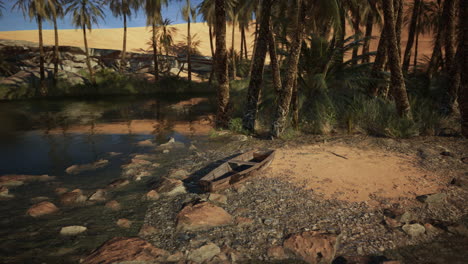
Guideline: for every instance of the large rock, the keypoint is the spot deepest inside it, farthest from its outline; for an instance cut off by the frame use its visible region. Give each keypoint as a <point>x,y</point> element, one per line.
<point>204,253</point>
<point>312,246</point>
<point>171,187</point>
<point>99,196</point>
<point>202,216</point>
<point>72,230</point>
<point>122,249</point>
<point>77,169</point>
<point>414,230</point>
<point>43,208</point>
<point>74,197</point>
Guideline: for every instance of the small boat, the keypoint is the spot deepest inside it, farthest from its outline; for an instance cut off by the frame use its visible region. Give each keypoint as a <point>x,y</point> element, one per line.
<point>236,170</point>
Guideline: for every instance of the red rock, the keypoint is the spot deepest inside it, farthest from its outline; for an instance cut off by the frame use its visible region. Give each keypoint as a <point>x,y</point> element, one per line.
<point>152,195</point>
<point>202,216</point>
<point>122,249</point>
<point>124,223</point>
<point>41,209</point>
<point>312,246</point>
<point>276,253</point>
<point>114,205</point>
<point>74,197</point>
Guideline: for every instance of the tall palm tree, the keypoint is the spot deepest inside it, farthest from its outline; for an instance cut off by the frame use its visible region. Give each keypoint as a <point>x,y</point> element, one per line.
<point>123,8</point>
<point>411,34</point>
<point>397,80</point>
<point>55,12</point>
<point>233,14</point>
<point>36,9</point>
<point>166,35</point>
<point>451,65</point>
<point>222,118</point>
<point>463,60</point>
<point>189,14</point>
<point>153,18</point>
<point>85,13</point>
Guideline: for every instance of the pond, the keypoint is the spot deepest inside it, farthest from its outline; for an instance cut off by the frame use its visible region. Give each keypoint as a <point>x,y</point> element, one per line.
<point>46,137</point>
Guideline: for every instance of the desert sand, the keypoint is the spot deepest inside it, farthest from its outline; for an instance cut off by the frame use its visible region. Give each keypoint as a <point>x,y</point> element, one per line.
<point>139,36</point>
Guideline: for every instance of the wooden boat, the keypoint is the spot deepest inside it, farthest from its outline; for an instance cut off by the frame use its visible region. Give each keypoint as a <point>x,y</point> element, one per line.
<point>236,170</point>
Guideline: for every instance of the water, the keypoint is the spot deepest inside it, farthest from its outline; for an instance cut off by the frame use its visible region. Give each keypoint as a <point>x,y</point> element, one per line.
<point>46,137</point>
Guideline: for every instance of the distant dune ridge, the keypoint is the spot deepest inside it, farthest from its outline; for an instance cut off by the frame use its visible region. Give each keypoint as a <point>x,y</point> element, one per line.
<point>139,36</point>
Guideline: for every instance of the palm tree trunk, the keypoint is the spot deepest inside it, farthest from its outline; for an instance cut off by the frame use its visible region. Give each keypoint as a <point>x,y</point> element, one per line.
<point>452,67</point>
<point>124,49</point>
<point>411,35</point>
<point>233,53</point>
<point>210,31</point>
<point>43,86</point>
<point>379,63</point>
<point>189,47</point>
<point>56,51</point>
<point>284,95</point>
<point>274,62</point>
<point>463,60</point>
<point>88,61</point>
<point>367,40</point>
<point>416,45</point>
<point>241,55</point>
<point>398,5</point>
<point>341,34</point>
<point>258,65</point>
<point>436,58</point>
<point>397,80</point>
<point>246,50</point>
<point>155,51</point>
<point>357,35</point>
<point>222,118</point>
<point>295,106</point>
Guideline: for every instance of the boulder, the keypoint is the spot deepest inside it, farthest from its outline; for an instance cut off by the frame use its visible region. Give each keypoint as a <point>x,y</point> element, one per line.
<point>72,230</point>
<point>204,253</point>
<point>218,198</point>
<point>171,187</point>
<point>432,199</point>
<point>42,208</point>
<point>74,197</point>
<point>202,216</point>
<point>99,196</point>
<point>121,249</point>
<point>124,223</point>
<point>77,169</point>
<point>312,246</point>
<point>118,183</point>
<point>113,205</point>
<point>414,230</point>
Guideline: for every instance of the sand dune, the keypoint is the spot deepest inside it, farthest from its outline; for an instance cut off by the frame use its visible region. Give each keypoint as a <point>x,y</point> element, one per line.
<point>139,36</point>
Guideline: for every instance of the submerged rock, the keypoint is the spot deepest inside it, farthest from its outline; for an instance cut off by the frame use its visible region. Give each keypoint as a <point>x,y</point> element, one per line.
<point>171,187</point>
<point>16,179</point>
<point>4,193</point>
<point>122,249</point>
<point>72,230</point>
<point>179,174</point>
<point>204,253</point>
<point>77,169</point>
<point>60,191</point>
<point>124,223</point>
<point>312,246</point>
<point>152,195</point>
<point>43,208</point>
<point>118,183</point>
<point>74,197</point>
<point>114,205</point>
<point>100,195</point>
<point>202,216</point>
<point>145,143</point>
<point>172,143</point>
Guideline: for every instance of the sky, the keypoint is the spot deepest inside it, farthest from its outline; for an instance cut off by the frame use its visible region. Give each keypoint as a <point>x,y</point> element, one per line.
<point>13,20</point>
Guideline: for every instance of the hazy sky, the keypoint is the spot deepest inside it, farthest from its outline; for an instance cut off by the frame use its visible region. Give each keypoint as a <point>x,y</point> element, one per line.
<point>14,20</point>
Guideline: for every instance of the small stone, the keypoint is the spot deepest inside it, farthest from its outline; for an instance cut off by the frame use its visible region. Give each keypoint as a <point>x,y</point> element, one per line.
<point>276,253</point>
<point>74,197</point>
<point>61,191</point>
<point>4,193</point>
<point>100,195</point>
<point>152,195</point>
<point>72,230</point>
<point>147,230</point>
<point>124,223</point>
<point>118,183</point>
<point>414,230</point>
<point>437,198</point>
<point>406,217</point>
<point>178,256</point>
<point>77,169</point>
<point>202,216</point>
<point>171,187</point>
<point>179,174</point>
<point>244,221</point>
<point>145,143</point>
<point>204,253</point>
<point>114,205</point>
<point>41,209</point>
<point>219,198</point>
<point>240,188</point>
<point>461,230</point>
<point>390,222</point>
<point>360,251</point>
<point>165,151</point>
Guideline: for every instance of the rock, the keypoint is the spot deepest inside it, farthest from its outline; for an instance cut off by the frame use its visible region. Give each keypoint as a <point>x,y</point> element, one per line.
<point>4,193</point>
<point>74,197</point>
<point>392,223</point>
<point>152,195</point>
<point>114,205</point>
<point>122,249</point>
<point>147,230</point>
<point>42,208</point>
<point>72,230</point>
<point>114,154</point>
<point>464,160</point>
<point>447,154</point>
<point>141,175</point>
<point>171,187</point>
<point>460,229</point>
<point>406,217</point>
<point>202,216</point>
<point>204,253</point>
<point>276,253</point>
<point>430,229</point>
<point>218,198</point>
<point>312,246</point>
<point>244,221</point>
<point>165,151</point>
<point>100,195</point>
<point>118,183</point>
<point>60,191</point>
<point>414,230</point>
<point>178,256</point>
<point>77,169</point>
<point>437,198</point>
<point>16,179</point>
<point>124,223</point>
<point>241,138</point>
<point>145,143</point>
<point>240,188</point>
<point>179,174</point>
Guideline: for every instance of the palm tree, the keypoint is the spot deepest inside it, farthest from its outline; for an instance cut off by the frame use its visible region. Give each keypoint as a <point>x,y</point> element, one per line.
<point>166,35</point>
<point>36,9</point>
<point>233,14</point>
<point>123,8</point>
<point>56,11</point>
<point>451,65</point>
<point>189,13</point>
<point>463,60</point>
<point>411,34</point>
<point>258,65</point>
<point>1,7</point>
<point>397,80</point>
<point>85,13</point>
<point>153,18</point>
<point>222,118</point>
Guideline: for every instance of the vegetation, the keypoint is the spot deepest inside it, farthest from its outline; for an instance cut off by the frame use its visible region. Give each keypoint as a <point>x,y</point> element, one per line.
<point>319,79</point>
